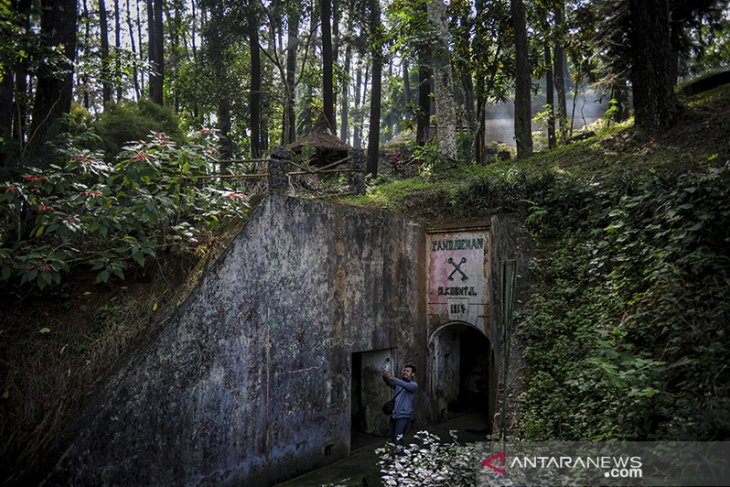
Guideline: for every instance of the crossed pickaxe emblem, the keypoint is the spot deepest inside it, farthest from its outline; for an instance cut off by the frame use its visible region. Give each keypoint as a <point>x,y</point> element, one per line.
<point>457,268</point>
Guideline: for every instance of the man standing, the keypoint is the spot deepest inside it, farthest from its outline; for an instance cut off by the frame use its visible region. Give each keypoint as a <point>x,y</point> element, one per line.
<point>405,393</point>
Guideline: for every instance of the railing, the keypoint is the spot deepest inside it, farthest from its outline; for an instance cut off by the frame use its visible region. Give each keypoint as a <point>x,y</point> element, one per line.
<point>278,170</point>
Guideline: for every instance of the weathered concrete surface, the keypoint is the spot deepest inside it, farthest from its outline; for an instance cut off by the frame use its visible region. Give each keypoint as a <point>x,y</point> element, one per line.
<point>509,242</point>
<point>504,239</point>
<point>249,383</point>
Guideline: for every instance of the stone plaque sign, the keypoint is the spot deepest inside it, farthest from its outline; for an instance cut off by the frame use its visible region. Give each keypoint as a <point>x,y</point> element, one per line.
<point>457,289</point>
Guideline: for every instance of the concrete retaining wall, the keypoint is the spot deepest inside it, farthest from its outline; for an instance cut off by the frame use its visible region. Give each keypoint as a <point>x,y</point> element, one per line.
<point>249,382</point>
<point>509,242</point>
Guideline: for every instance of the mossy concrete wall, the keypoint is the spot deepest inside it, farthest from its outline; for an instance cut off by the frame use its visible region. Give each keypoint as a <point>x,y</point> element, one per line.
<point>249,382</point>
<point>510,242</point>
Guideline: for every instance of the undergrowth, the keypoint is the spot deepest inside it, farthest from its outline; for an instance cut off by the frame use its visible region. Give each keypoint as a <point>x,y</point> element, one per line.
<point>626,334</point>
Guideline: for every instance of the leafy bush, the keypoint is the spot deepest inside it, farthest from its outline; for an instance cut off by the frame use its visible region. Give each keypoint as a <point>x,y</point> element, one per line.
<point>127,121</point>
<point>86,211</point>
<point>506,187</point>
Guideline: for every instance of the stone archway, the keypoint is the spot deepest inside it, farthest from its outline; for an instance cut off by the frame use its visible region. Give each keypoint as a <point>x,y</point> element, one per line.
<point>462,373</point>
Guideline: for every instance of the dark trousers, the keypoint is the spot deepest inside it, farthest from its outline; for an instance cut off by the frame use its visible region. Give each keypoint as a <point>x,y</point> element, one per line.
<point>398,428</point>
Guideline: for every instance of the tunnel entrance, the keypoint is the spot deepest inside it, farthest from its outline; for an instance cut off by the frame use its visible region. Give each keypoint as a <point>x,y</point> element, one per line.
<point>368,393</point>
<point>463,378</point>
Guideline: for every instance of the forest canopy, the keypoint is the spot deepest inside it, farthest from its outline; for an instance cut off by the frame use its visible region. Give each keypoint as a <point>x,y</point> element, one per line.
<point>261,72</point>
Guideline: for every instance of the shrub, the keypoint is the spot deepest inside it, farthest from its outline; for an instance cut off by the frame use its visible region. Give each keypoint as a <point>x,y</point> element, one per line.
<point>128,121</point>
<point>86,211</point>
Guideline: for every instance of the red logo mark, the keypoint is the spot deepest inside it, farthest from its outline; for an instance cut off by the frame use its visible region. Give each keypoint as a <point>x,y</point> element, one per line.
<point>500,456</point>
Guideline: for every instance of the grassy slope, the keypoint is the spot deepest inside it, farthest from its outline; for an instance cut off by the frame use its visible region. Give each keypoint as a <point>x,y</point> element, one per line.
<point>701,138</point>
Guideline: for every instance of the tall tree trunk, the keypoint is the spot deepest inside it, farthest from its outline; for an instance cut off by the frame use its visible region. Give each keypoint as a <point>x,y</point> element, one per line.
<point>130,27</point>
<point>376,91</point>
<point>467,84</point>
<point>576,89</point>
<point>194,46</point>
<point>6,104</point>
<point>292,46</point>
<point>443,81</point>
<point>117,51</point>
<point>480,148</point>
<point>140,44</point>
<point>53,94</point>
<point>267,73</point>
<point>217,45</point>
<point>106,76</point>
<point>336,14</point>
<point>620,93</point>
<point>357,126</point>
<point>559,70</point>
<point>84,81</point>
<point>652,74</point>
<point>389,122</point>
<point>224,124</point>
<point>255,94</point>
<point>406,85</point>
<point>156,50</point>
<point>423,117</point>
<point>6,114</point>
<point>464,67</point>
<point>345,102</point>
<point>13,95</point>
<point>20,103</point>
<point>523,112</point>
<point>306,120</point>
<point>327,65</point>
<point>549,85</point>
<point>174,28</point>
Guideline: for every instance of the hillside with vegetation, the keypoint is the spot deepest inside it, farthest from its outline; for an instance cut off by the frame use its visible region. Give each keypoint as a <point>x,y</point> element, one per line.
<point>129,129</point>
<point>626,332</point>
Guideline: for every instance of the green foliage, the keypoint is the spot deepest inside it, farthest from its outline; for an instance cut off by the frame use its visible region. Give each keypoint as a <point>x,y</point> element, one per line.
<point>626,336</point>
<point>393,193</point>
<point>124,122</point>
<point>411,30</point>
<point>610,114</point>
<point>504,186</point>
<point>429,158</point>
<point>626,330</point>
<point>84,210</point>
<point>465,147</point>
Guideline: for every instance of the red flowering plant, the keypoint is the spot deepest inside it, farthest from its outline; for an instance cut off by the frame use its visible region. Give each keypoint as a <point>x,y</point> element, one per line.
<point>87,211</point>
<point>46,220</point>
<point>41,268</point>
<point>395,159</point>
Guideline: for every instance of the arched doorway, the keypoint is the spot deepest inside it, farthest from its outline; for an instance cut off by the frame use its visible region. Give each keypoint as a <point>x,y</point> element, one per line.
<point>463,378</point>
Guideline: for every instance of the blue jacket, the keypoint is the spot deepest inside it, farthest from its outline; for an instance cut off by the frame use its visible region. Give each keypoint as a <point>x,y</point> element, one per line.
<point>406,393</point>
